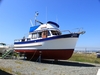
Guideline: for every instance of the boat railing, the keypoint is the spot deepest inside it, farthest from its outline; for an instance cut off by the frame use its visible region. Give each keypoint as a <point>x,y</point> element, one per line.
<point>79,31</point>
<point>66,31</point>
<point>21,40</point>
<point>17,40</point>
<point>44,29</point>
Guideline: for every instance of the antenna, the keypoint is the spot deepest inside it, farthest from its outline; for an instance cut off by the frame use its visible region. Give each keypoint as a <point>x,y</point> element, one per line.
<point>46,14</point>
<point>36,14</point>
<point>56,19</point>
<point>31,22</point>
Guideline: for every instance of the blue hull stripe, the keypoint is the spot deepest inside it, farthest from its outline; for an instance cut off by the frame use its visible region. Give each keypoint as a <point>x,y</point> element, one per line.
<point>51,38</point>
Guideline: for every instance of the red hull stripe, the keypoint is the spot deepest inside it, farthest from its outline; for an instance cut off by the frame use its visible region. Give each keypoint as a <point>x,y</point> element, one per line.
<point>62,54</point>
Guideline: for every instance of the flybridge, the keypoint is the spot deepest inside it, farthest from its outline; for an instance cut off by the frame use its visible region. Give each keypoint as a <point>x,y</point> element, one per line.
<point>48,25</point>
<point>42,26</point>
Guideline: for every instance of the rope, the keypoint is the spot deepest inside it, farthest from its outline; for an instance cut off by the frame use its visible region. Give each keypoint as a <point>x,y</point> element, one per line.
<point>33,55</point>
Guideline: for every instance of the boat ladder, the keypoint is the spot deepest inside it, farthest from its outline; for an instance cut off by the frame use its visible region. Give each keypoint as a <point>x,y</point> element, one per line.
<point>7,54</point>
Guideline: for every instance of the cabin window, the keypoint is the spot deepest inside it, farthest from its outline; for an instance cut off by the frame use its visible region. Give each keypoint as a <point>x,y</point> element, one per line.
<point>55,32</point>
<point>39,34</point>
<point>48,33</point>
<point>44,33</point>
<point>23,39</point>
<point>34,35</point>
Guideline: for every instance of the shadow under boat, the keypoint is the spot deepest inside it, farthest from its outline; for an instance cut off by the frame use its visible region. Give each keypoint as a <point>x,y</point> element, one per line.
<point>64,63</point>
<point>68,63</point>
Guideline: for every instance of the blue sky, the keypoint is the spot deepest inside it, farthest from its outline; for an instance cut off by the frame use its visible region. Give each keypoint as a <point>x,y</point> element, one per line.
<point>15,18</point>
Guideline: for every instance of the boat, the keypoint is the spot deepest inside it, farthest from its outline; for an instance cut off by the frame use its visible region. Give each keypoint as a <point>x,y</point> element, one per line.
<point>46,40</point>
<point>3,47</point>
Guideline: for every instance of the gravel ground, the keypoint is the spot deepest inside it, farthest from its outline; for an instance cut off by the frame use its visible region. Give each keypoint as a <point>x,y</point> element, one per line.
<point>23,67</point>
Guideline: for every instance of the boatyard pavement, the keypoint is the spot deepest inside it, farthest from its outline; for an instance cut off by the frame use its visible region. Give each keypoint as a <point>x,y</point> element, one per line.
<point>24,67</point>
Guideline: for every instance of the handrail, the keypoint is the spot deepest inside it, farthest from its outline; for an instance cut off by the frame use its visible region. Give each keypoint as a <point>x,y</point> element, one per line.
<point>17,39</point>
<point>45,29</point>
<point>66,31</point>
<point>80,31</point>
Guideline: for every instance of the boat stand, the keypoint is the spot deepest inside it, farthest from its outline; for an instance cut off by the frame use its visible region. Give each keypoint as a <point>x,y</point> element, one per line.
<point>39,58</point>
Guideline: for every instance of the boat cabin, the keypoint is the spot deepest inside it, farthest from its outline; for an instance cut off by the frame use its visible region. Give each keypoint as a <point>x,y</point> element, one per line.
<point>46,30</point>
<point>44,34</point>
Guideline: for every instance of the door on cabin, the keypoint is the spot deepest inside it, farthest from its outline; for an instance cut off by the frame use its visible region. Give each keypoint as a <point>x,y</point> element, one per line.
<point>44,34</point>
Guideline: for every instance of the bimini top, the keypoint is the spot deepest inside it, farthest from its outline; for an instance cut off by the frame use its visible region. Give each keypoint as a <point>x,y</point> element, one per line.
<point>33,28</point>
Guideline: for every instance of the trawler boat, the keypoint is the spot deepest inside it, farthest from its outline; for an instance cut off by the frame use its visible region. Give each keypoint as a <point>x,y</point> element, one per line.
<point>3,47</point>
<point>46,40</point>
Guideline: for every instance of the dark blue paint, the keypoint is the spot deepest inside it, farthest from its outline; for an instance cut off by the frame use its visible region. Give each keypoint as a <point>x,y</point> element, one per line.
<point>50,22</point>
<point>50,38</point>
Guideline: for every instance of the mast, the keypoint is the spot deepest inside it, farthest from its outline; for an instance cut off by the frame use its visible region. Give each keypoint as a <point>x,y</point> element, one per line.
<point>31,22</point>
<point>36,14</point>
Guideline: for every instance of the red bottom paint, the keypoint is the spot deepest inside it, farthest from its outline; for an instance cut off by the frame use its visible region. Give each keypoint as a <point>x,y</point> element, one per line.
<point>62,54</point>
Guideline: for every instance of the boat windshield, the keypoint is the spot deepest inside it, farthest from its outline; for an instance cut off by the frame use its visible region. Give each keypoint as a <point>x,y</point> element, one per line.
<point>2,44</point>
<point>55,32</point>
<point>39,34</point>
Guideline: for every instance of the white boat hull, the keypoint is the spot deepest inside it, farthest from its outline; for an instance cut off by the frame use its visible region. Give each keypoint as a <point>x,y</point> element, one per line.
<point>3,49</point>
<point>66,43</point>
<point>59,48</point>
